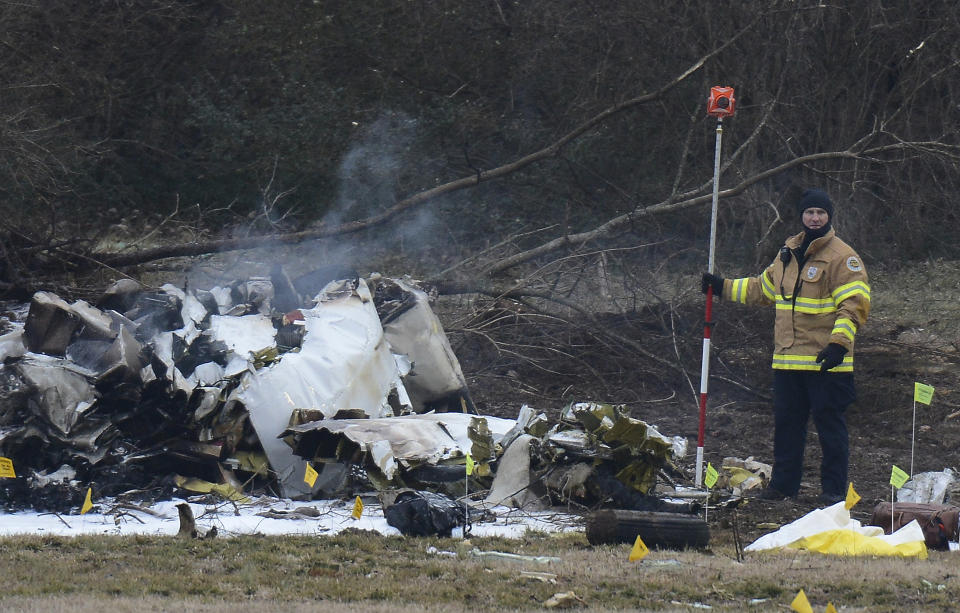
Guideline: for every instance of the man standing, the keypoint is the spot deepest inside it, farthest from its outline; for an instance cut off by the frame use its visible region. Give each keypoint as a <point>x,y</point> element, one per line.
<point>819,287</point>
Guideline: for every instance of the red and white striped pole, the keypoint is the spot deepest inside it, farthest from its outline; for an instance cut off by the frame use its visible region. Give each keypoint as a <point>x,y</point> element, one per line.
<point>720,104</point>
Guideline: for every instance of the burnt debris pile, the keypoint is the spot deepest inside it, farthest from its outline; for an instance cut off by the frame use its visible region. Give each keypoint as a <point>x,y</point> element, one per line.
<point>148,384</point>
<point>252,389</point>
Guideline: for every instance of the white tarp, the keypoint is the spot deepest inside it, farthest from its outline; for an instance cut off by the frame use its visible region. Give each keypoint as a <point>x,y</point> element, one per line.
<point>834,517</point>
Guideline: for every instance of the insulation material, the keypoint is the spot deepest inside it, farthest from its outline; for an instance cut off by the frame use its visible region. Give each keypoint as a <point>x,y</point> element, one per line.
<point>414,439</point>
<point>344,341</point>
<point>414,331</point>
<point>64,391</point>
<point>11,345</point>
<point>511,485</point>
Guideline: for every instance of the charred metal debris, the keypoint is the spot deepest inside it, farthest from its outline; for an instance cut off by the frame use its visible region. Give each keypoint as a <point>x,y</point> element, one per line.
<point>248,389</point>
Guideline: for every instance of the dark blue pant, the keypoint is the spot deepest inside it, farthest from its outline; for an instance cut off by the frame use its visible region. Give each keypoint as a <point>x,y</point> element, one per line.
<point>798,395</point>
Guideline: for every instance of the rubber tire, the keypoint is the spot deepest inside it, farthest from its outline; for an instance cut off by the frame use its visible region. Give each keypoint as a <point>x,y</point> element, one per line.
<point>657,529</point>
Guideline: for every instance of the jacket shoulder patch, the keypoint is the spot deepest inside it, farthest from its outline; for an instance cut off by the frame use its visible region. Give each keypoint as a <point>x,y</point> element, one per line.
<point>853,264</point>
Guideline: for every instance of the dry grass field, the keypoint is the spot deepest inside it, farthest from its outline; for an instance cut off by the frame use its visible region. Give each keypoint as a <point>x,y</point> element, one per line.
<point>368,572</point>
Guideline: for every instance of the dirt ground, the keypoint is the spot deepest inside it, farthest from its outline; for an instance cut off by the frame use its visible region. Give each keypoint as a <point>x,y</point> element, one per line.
<point>913,334</point>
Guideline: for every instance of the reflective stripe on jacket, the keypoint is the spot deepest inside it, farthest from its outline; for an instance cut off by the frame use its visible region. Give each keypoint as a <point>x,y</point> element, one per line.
<point>832,301</point>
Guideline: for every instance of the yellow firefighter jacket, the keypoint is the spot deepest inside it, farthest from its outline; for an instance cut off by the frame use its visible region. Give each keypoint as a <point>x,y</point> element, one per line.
<point>824,300</point>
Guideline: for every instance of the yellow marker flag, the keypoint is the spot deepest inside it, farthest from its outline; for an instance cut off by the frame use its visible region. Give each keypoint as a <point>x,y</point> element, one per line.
<point>357,508</point>
<point>852,497</point>
<point>710,479</point>
<point>87,504</point>
<point>898,477</point>
<point>830,608</point>
<point>6,468</point>
<point>922,392</point>
<point>639,550</point>
<point>469,464</point>
<point>310,475</point>
<point>801,604</point>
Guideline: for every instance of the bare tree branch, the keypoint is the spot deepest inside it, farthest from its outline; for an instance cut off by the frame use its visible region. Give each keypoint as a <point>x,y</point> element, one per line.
<point>596,327</point>
<point>552,150</point>
<point>622,221</point>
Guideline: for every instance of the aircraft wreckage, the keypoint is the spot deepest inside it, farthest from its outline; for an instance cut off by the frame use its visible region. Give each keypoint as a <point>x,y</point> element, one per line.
<point>251,388</point>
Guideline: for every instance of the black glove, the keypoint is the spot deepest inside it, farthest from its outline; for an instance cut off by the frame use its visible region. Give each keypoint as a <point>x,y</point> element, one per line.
<point>714,281</point>
<point>830,356</point>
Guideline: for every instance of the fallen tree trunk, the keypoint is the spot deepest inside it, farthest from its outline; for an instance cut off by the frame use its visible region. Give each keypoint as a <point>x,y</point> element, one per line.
<point>656,529</point>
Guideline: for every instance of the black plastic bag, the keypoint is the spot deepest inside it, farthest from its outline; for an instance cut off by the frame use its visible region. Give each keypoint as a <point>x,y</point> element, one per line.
<point>424,514</point>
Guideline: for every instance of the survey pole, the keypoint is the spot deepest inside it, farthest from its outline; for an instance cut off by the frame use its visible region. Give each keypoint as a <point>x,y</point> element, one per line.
<point>720,104</point>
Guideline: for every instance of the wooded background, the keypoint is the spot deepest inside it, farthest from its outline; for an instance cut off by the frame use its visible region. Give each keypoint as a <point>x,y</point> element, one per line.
<point>555,135</point>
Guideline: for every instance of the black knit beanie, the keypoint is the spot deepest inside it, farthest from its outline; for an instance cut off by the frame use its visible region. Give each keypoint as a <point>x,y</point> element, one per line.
<point>815,198</point>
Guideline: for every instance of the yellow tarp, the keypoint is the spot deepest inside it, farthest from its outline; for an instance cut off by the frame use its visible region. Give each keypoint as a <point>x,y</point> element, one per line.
<point>831,530</point>
<point>205,487</point>
<point>851,543</point>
